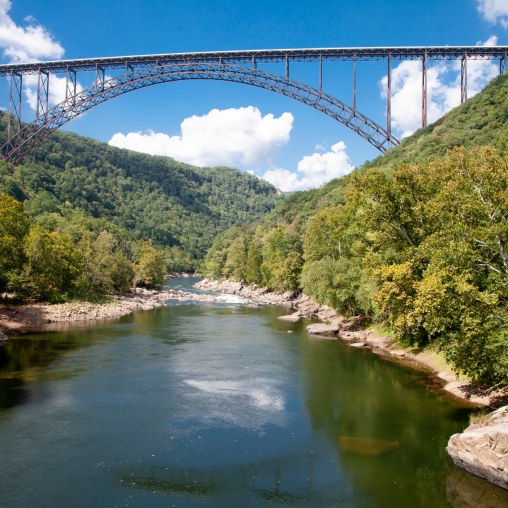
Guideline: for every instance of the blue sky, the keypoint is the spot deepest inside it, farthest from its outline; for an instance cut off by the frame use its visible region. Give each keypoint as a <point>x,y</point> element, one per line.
<point>289,143</point>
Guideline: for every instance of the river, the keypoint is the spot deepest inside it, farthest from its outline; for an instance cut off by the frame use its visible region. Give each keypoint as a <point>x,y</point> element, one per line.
<point>217,405</point>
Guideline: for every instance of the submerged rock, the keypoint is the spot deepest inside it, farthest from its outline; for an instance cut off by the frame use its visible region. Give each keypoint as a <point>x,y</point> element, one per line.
<point>366,445</point>
<point>482,449</point>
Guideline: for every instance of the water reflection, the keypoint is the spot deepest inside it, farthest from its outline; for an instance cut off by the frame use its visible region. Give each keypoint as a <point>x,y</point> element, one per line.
<point>465,490</point>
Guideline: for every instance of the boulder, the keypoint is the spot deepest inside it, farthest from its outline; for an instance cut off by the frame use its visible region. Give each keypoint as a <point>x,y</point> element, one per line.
<point>3,339</point>
<point>320,329</point>
<point>482,449</point>
<point>359,344</point>
<point>293,318</point>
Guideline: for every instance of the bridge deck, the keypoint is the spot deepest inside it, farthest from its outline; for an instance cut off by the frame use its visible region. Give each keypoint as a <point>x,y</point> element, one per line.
<point>263,56</point>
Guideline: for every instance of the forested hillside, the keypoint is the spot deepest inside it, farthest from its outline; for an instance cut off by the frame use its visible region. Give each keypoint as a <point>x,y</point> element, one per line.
<point>480,121</point>
<point>178,206</point>
<point>417,239</point>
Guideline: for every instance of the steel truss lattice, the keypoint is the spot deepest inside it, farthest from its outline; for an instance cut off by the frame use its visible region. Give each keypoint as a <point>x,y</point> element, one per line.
<point>33,133</point>
<point>264,56</point>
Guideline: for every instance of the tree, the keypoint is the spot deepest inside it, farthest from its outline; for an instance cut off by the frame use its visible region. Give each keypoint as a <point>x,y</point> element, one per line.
<point>51,268</point>
<point>151,269</point>
<point>14,226</point>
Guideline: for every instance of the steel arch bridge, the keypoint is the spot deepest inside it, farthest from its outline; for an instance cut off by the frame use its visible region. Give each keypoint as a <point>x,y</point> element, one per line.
<point>30,135</point>
<point>149,70</point>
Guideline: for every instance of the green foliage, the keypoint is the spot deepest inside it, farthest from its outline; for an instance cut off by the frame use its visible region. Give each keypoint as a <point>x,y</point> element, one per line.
<point>150,269</point>
<point>153,198</point>
<point>51,268</point>
<point>14,226</point>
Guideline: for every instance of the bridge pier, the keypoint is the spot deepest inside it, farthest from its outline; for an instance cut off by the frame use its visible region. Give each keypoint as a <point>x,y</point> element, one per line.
<point>463,79</point>
<point>354,83</point>
<point>14,105</point>
<point>389,97</point>
<point>502,64</point>
<point>99,75</point>
<point>320,73</point>
<point>70,87</point>
<point>424,90</point>
<point>287,67</point>
<point>43,94</point>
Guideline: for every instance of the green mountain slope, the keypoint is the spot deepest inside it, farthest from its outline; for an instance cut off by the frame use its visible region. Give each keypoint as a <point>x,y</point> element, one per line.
<point>480,121</point>
<point>158,198</point>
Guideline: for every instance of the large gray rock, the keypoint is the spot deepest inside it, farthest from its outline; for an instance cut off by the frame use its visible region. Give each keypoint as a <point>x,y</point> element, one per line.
<point>483,449</point>
<point>320,329</point>
<point>293,318</point>
<point>3,339</point>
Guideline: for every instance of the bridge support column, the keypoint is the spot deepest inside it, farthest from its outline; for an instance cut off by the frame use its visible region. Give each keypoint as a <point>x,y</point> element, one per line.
<point>99,75</point>
<point>70,88</point>
<point>128,67</point>
<point>43,94</point>
<point>424,90</point>
<point>14,105</point>
<point>254,64</point>
<point>502,64</point>
<point>287,67</point>
<point>354,83</point>
<point>320,73</point>
<point>389,98</point>
<point>463,79</point>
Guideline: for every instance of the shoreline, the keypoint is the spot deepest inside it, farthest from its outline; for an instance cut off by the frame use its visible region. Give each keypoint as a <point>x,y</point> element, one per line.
<point>336,326</point>
<point>40,313</point>
<point>332,326</point>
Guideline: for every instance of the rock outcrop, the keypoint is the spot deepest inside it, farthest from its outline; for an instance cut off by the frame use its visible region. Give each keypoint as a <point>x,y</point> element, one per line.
<point>482,449</point>
<point>3,339</point>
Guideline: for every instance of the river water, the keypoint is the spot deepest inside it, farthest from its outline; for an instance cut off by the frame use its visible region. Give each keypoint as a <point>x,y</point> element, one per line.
<point>217,405</point>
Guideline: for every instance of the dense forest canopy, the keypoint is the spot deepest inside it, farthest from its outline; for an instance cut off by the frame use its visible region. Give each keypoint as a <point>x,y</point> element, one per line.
<point>177,206</point>
<point>416,239</point>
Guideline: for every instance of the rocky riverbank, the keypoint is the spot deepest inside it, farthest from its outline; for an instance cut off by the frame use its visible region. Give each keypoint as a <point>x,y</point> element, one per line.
<point>482,449</point>
<point>334,325</point>
<point>118,305</point>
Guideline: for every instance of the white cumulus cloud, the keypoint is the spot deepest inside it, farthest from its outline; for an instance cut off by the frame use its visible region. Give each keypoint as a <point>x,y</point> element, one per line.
<point>313,170</point>
<point>231,137</point>
<point>494,11</point>
<point>443,91</point>
<point>26,44</point>
<point>31,43</point>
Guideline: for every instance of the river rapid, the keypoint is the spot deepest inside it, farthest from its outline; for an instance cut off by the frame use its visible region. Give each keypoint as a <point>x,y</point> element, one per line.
<point>217,405</point>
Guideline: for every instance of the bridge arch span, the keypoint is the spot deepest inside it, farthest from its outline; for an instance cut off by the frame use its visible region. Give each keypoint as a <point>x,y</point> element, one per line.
<point>30,135</point>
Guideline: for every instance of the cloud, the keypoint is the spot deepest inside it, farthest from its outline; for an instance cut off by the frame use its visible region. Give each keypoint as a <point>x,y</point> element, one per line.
<point>443,90</point>
<point>31,44</point>
<point>494,11</point>
<point>231,137</point>
<point>315,170</point>
<point>26,44</point>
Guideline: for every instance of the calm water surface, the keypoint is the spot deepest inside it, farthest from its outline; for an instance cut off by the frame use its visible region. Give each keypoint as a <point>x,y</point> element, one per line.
<point>214,405</point>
